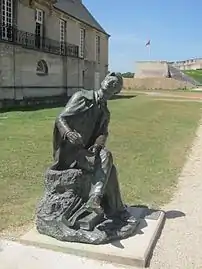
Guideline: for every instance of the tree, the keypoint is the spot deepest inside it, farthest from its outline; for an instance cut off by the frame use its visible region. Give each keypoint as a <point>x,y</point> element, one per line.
<point>128,75</point>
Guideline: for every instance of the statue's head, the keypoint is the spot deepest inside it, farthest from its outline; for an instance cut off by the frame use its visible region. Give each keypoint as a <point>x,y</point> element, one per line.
<point>112,84</point>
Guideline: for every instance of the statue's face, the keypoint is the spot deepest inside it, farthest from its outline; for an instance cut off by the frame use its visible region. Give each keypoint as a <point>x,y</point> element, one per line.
<point>112,84</point>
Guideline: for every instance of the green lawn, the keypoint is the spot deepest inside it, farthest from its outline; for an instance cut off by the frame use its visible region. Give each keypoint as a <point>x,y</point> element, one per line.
<point>195,74</point>
<point>149,140</point>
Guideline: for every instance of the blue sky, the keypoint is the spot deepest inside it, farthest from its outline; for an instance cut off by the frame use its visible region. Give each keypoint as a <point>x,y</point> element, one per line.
<point>174,28</point>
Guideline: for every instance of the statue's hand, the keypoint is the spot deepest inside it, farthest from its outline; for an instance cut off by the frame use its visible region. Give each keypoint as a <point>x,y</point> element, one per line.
<point>74,138</point>
<point>95,149</point>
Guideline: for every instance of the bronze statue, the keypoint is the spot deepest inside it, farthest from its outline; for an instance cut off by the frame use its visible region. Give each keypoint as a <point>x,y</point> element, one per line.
<point>82,200</point>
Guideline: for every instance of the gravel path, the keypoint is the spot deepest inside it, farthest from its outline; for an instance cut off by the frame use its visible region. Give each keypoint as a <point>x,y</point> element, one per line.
<point>181,240</point>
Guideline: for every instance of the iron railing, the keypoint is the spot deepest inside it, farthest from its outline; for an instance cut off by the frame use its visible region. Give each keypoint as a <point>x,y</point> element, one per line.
<point>28,40</point>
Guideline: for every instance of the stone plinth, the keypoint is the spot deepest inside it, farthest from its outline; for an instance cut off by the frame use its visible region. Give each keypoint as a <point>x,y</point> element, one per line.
<point>134,251</point>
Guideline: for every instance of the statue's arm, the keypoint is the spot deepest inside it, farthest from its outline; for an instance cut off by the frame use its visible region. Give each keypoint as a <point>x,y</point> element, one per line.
<point>62,124</point>
<point>103,132</point>
<point>74,105</point>
<point>102,135</point>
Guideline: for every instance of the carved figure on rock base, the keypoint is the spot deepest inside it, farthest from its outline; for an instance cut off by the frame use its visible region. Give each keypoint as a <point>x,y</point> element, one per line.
<point>82,200</point>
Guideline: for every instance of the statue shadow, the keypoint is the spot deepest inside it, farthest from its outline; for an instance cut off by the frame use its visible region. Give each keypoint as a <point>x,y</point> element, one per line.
<point>136,209</point>
<point>174,214</point>
<point>170,214</point>
<point>139,231</point>
<point>137,212</point>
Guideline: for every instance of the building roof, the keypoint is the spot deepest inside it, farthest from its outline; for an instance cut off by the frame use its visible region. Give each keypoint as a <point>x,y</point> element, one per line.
<point>76,9</point>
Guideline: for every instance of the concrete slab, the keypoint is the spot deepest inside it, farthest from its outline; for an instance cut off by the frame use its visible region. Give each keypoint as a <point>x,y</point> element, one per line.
<point>30,257</point>
<point>134,251</point>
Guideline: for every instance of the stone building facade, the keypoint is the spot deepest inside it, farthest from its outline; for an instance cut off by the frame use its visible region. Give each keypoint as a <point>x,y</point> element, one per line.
<point>49,48</point>
<point>190,64</point>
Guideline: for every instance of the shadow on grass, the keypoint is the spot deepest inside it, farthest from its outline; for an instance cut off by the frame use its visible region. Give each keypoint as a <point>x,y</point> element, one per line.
<point>35,107</point>
<point>31,107</point>
<point>122,96</point>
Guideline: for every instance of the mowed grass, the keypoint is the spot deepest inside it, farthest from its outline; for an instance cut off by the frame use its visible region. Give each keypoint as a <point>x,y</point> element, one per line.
<point>149,140</point>
<point>195,74</point>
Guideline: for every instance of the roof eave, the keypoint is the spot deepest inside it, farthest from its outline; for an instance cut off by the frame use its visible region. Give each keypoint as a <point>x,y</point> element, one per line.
<point>108,35</point>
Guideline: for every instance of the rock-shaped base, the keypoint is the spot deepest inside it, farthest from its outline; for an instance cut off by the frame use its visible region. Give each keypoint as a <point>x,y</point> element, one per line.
<point>105,232</point>
<point>62,213</point>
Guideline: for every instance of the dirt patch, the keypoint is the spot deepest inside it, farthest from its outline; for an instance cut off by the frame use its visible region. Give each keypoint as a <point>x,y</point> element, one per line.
<point>16,232</point>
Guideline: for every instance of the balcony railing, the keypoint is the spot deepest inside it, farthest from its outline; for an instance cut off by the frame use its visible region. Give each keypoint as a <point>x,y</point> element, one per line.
<point>31,41</point>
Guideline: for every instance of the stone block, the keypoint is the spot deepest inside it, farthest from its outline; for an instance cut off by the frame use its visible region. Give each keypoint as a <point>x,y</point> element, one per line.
<point>133,251</point>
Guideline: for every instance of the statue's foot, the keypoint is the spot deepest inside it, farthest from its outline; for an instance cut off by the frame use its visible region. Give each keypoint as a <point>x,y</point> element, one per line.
<point>127,217</point>
<point>93,204</point>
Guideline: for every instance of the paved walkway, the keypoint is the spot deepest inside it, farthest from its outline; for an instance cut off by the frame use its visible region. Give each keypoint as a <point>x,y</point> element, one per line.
<point>16,256</point>
<point>180,243</point>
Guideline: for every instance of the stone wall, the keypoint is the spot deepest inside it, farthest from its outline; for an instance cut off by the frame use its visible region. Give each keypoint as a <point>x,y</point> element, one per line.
<point>73,26</point>
<point>19,79</point>
<point>190,64</point>
<point>151,69</point>
<point>154,84</point>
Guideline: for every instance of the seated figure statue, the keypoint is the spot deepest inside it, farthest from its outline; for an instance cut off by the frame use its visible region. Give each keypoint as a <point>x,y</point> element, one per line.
<point>82,200</point>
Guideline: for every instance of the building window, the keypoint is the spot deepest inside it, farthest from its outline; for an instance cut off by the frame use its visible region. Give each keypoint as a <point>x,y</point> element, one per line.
<point>38,35</point>
<point>42,68</point>
<point>97,48</point>
<point>39,27</point>
<point>62,36</point>
<point>6,19</point>
<point>82,43</point>
<point>39,16</point>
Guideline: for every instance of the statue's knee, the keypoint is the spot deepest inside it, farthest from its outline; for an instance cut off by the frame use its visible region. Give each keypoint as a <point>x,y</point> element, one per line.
<point>106,156</point>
